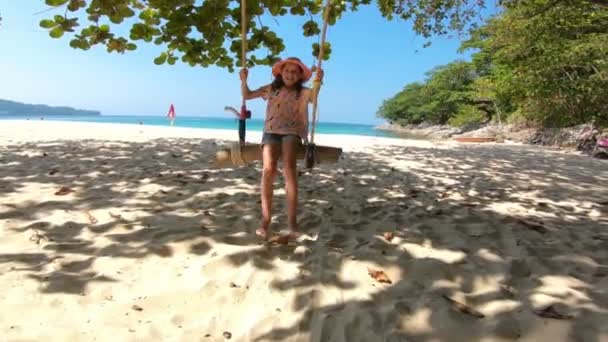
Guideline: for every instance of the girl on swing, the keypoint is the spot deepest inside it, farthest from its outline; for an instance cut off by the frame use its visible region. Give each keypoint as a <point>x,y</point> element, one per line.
<point>285,127</point>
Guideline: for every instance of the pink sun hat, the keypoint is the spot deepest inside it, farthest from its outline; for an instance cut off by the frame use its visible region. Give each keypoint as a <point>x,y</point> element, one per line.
<point>278,67</point>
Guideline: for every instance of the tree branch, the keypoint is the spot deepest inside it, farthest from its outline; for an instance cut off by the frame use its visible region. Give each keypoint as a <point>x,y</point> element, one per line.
<point>46,10</point>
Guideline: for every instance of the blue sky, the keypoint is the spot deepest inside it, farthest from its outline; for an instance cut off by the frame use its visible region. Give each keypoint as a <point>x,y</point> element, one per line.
<point>371,60</point>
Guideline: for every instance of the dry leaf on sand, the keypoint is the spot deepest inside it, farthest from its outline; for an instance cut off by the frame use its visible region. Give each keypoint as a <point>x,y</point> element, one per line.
<point>379,275</point>
<point>64,190</point>
<point>389,236</point>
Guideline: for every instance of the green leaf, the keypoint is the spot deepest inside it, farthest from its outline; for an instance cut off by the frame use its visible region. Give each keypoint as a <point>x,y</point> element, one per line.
<point>126,12</point>
<point>79,44</point>
<point>311,28</point>
<point>47,23</point>
<point>160,59</point>
<point>316,50</point>
<point>57,32</point>
<point>56,3</point>
<point>74,5</point>
<point>116,18</point>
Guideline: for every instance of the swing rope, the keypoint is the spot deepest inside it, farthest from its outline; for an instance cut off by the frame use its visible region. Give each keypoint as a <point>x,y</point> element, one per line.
<point>244,36</point>
<point>245,114</point>
<point>317,83</point>
<point>310,156</point>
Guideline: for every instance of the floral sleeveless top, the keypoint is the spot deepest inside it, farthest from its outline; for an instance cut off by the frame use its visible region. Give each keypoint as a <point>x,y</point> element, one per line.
<point>287,112</point>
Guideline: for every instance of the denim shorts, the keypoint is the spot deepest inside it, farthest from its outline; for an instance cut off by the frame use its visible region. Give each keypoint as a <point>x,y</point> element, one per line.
<point>274,138</point>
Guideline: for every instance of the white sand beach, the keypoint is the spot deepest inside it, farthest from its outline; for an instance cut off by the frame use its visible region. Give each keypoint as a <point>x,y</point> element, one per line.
<point>148,242</point>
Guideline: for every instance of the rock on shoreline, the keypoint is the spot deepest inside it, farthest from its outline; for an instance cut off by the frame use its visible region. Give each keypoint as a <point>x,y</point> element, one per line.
<point>423,130</point>
<point>570,137</point>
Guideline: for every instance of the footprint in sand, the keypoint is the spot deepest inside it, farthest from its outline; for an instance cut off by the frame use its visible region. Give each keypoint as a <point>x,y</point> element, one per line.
<point>519,268</point>
<point>403,308</point>
<point>328,330</point>
<point>310,221</point>
<point>177,320</point>
<point>200,248</point>
<point>508,328</point>
<point>368,325</point>
<point>339,240</point>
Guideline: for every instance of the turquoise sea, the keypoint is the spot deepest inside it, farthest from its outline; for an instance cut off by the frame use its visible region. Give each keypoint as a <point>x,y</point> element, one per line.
<point>213,123</point>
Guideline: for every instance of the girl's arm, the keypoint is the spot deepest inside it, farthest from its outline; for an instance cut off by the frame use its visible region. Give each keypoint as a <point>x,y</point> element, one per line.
<point>249,94</point>
<point>252,94</point>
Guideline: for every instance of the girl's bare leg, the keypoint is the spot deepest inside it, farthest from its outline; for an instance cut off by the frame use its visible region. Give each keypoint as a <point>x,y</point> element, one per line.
<point>270,156</point>
<point>289,149</point>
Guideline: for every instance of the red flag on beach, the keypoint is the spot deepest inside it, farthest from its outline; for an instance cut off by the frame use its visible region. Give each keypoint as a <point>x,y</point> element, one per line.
<point>171,113</point>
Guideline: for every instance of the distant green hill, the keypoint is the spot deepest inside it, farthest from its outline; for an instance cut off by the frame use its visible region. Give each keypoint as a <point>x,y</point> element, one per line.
<point>12,108</point>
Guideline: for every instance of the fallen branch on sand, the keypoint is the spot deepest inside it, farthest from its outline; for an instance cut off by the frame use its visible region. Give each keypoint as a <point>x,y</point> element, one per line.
<point>536,226</point>
<point>551,312</point>
<point>115,216</point>
<point>36,237</point>
<point>91,218</point>
<point>464,308</point>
